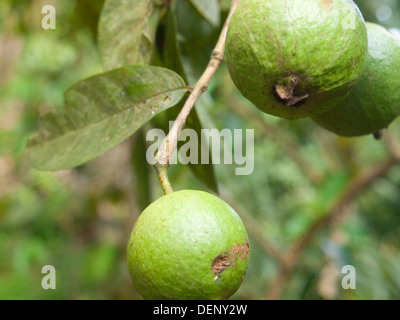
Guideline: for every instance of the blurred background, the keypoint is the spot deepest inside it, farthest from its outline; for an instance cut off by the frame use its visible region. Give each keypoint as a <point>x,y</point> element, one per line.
<point>79,220</point>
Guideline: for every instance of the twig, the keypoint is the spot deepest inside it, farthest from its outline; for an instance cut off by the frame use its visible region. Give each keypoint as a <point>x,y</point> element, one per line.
<point>169,144</point>
<point>163,177</point>
<point>355,187</point>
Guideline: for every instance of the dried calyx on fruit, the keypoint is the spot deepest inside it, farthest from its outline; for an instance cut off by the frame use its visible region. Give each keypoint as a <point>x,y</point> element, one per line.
<point>295,58</point>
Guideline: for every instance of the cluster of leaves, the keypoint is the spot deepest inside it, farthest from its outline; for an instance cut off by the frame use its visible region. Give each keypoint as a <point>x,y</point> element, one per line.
<point>150,52</point>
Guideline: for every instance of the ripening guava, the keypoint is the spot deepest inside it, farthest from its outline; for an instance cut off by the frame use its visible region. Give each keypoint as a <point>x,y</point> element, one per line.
<point>188,245</point>
<point>375,100</point>
<point>294,58</point>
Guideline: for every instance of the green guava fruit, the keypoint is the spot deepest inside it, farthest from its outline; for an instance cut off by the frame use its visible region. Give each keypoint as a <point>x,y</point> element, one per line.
<point>294,58</point>
<point>188,245</point>
<point>375,100</point>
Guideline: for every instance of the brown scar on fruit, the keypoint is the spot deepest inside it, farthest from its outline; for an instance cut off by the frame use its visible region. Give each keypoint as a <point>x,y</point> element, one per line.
<point>286,92</point>
<point>240,250</point>
<point>220,263</point>
<point>224,260</point>
<point>326,4</point>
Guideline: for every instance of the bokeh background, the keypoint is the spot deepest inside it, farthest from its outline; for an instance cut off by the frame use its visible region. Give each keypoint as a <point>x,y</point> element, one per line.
<point>79,220</point>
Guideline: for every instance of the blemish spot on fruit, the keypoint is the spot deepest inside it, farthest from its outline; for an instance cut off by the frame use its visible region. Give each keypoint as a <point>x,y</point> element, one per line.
<point>220,263</point>
<point>326,4</point>
<point>240,250</point>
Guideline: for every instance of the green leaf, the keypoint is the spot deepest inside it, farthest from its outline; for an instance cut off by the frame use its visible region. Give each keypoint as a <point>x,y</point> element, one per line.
<point>169,51</point>
<point>209,9</point>
<point>126,32</point>
<point>101,112</point>
<point>142,171</point>
<point>197,38</point>
<point>86,15</point>
<point>193,28</point>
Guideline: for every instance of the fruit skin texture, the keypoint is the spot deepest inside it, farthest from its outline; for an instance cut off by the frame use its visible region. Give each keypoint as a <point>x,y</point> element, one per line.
<point>375,101</point>
<point>294,58</point>
<point>188,245</point>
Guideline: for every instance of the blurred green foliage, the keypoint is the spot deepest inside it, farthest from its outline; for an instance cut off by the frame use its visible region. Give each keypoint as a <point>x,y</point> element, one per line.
<point>79,220</point>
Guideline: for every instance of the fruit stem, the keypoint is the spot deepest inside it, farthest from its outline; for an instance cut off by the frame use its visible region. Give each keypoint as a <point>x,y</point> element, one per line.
<point>169,144</point>
<point>163,177</point>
